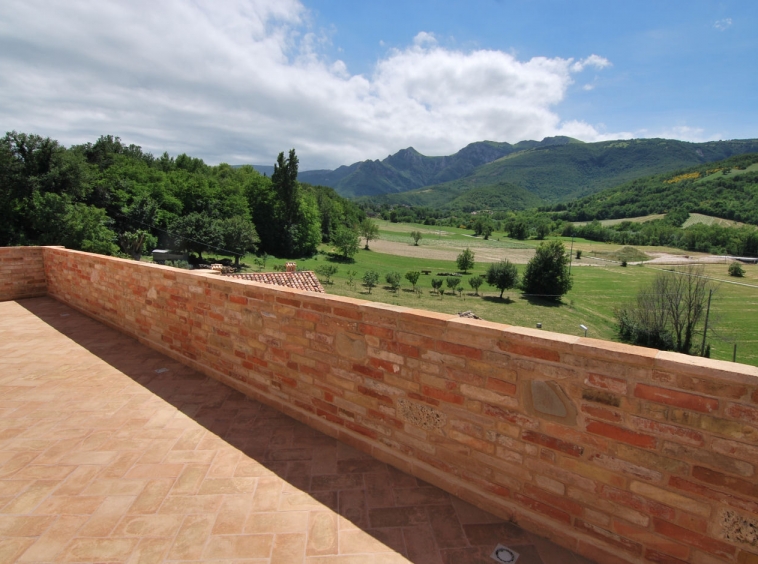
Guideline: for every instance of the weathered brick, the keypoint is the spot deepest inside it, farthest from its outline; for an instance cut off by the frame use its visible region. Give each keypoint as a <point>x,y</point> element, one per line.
<point>680,434</point>
<point>621,434</point>
<point>672,499</point>
<point>721,497</point>
<point>601,413</point>
<point>459,350</point>
<point>695,539</point>
<point>738,485</point>
<point>676,398</point>
<point>705,456</point>
<point>543,508</point>
<point>731,429</point>
<point>608,536</point>
<point>613,385</point>
<point>553,443</point>
<point>442,395</point>
<point>533,352</point>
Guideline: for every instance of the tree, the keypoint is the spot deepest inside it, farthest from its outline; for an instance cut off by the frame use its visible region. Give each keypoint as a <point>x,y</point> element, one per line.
<point>475,282</point>
<point>735,269</point>
<point>346,241</point>
<point>437,285</point>
<point>484,226</point>
<point>519,230</point>
<point>502,275</point>
<point>370,279</point>
<point>412,277</point>
<point>369,230</point>
<point>239,236</point>
<point>393,279</point>
<point>197,232</point>
<point>465,260</point>
<point>452,282</point>
<point>547,273</point>
<point>668,314</point>
<point>416,236</point>
<point>327,271</point>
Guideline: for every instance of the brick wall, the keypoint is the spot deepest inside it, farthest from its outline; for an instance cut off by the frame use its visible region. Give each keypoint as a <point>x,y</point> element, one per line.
<point>22,274</point>
<point>620,453</point>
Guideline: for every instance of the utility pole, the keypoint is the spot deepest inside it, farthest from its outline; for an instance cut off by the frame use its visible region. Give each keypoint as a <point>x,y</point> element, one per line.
<point>705,329</point>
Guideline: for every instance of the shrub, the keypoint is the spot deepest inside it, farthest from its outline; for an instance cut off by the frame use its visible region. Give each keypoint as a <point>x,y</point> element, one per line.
<point>412,277</point>
<point>475,282</point>
<point>370,279</point>
<point>326,271</point>
<point>735,269</point>
<point>393,279</point>
<point>437,285</point>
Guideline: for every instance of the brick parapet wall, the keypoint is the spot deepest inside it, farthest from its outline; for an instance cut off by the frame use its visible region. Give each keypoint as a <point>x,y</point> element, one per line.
<point>22,273</point>
<point>620,453</point>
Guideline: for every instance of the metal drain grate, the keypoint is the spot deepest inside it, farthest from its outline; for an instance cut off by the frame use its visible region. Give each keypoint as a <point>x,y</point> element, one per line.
<point>504,554</point>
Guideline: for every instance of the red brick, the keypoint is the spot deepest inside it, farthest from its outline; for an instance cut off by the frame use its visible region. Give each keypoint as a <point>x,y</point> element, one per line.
<point>543,508</point>
<point>695,539</point>
<point>560,502</point>
<point>459,350</point>
<point>403,349</point>
<point>656,543</point>
<point>346,312</point>
<point>679,434</point>
<point>660,558</point>
<point>743,413</point>
<point>237,299</point>
<point>641,504</point>
<point>608,536</point>
<point>678,399</point>
<point>601,413</point>
<point>442,395</point>
<point>387,366</point>
<point>533,352</point>
<point>513,417</point>
<point>742,487</point>
<point>501,387</point>
<point>368,371</point>
<point>374,394</point>
<point>615,385</point>
<point>621,434</point>
<point>552,443</point>
<point>381,332</point>
<point>721,497</point>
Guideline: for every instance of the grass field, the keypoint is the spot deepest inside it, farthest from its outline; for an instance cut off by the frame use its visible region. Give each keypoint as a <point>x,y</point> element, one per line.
<point>597,291</point>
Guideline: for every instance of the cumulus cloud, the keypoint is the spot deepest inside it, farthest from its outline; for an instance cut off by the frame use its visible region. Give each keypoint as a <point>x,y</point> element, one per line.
<point>723,25</point>
<point>240,81</point>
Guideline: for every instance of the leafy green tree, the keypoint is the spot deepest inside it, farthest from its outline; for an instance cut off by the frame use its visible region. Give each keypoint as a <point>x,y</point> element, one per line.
<point>197,232</point>
<point>369,230</point>
<point>484,226</point>
<point>547,273</point>
<point>475,282</point>
<point>437,285</point>
<point>370,279</point>
<point>735,269</point>
<point>452,282</point>
<point>465,260</point>
<point>502,275</point>
<point>412,277</point>
<point>393,279</point>
<point>346,241</point>
<point>239,236</point>
<point>133,243</point>
<point>519,230</point>
<point>351,274</point>
<point>326,271</point>
<point>416,236</point>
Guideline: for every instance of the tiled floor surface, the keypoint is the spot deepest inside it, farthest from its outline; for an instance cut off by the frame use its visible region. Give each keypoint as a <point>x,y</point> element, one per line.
<point>111,452</point>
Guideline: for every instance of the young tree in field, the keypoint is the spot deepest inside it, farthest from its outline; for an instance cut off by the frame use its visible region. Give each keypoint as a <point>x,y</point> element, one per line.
<point>547,273</point>
<point>370,279</point>
<point>735,269</point>
<point>326,271</point>
<point>393,279</point>
<point>475,282</point>
<point>346,241</point>
<point>502,275</point>
<point>416,236</point>
<point>668,314</point>
<point>369,230</point>
<point>351,274</point>
<point>465,260</point>
<point>437,285</point>
<point>452,283</point>
<point>412,277</point>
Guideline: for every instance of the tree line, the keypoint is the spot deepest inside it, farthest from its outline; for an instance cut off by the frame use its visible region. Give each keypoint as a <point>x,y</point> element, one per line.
<point>112,198</point>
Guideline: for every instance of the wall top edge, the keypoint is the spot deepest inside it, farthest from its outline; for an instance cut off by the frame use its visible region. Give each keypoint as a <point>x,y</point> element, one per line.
<point>583,346</point>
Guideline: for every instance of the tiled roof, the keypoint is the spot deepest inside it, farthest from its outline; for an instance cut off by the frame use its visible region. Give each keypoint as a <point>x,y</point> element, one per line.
<point>304,280</point>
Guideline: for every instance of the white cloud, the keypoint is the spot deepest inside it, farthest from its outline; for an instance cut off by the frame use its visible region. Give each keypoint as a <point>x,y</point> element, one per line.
<point>681,132</point>
<point>240,81</point>
<point>723,25</point>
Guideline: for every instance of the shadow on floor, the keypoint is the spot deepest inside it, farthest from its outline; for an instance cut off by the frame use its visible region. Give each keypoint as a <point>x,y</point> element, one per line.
<point>419,521</point>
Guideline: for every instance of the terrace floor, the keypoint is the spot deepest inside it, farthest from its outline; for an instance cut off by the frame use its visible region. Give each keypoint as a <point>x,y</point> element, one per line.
<point>112,452</point>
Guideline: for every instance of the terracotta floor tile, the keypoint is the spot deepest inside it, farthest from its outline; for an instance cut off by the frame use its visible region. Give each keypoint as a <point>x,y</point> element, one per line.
<point>104,459</point>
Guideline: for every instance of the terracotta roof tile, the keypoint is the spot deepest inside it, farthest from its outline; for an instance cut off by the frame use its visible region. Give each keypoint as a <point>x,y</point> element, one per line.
<point>304,280</point>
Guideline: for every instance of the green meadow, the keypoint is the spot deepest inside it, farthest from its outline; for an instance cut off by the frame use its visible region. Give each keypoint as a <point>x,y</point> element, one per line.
<point>598,288</point>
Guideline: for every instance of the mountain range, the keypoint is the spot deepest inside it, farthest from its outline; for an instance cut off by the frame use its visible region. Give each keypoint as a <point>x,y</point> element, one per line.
<point>493,175</point>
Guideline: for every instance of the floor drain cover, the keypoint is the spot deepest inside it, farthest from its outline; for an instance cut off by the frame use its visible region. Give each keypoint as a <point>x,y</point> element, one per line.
<point>161,370</point>
<point>504,554</point>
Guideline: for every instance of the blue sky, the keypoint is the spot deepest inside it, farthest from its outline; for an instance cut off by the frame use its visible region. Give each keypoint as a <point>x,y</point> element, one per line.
<point>238,81</point>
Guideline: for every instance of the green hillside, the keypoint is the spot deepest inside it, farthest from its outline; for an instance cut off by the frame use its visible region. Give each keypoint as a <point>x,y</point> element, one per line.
<point>559,173</point>
<point>726,189</point>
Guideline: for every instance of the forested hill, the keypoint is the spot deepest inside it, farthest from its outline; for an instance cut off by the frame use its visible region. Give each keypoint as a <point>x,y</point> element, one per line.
<point>727,189</point>
<point>112,198</point>
<point>561,172</point>
<point>408,169</point>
